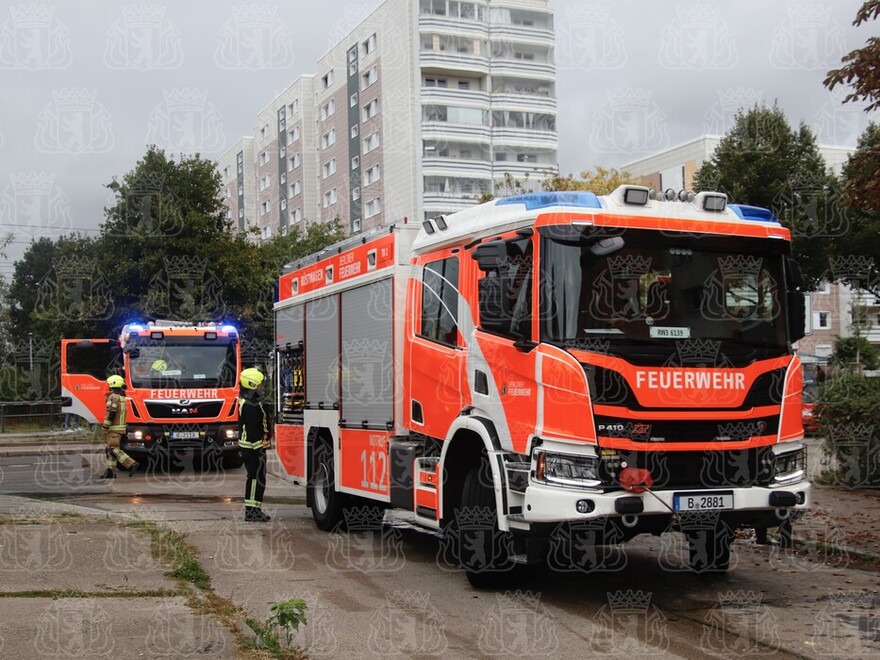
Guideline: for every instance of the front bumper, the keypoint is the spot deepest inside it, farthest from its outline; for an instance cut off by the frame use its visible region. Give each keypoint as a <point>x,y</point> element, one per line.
<point>156,439</point>
<point>550,504</point>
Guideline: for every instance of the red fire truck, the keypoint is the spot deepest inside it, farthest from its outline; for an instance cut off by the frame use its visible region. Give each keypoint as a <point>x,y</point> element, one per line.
<point>181,387</point>
<point>549,362</point>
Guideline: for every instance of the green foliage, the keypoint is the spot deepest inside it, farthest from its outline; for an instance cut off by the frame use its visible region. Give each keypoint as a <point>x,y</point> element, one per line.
<point>856,353</point>
<point>849,419</point>
<point>276,633</point>
<point>600,181</point>
<point>762,161</point>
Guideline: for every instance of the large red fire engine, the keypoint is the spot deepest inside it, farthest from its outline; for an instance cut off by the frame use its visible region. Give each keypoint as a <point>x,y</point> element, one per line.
<point>621,363</point>
<point>181,386</point>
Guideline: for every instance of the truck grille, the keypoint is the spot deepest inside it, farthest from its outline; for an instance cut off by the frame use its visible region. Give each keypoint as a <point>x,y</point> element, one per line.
<point>693,469</point>
<point>177,410</point>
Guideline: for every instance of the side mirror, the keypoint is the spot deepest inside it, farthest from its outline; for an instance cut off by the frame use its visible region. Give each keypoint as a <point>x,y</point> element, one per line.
<point>490,256</point>
<point>795,302</point>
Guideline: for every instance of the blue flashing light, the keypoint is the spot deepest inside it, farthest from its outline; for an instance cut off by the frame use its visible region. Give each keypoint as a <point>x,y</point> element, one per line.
<point>229,328</point>
<point>544,200</point>
<point>135,327</point>
<point>757,213</point>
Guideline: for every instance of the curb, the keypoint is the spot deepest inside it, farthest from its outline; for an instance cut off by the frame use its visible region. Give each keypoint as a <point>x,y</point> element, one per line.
<point>40,450</point>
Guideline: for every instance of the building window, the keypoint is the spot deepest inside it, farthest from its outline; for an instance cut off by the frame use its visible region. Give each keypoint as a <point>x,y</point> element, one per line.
<point>240,213</point>
<point>329,198</point>
<point>823,320</point>
<point>355,194</point>
<point>440,301</point>
<point>354,131</point>
<point>264,157</point>
<point>296,215</point>
<point>240,190</point>
<point>264,182</point>
<point>372,207</point>
<point>264,132</point>
<point>371,142</point>
<point>329,168</point>
<point>294,161</point>
<point>327,79</point>
<point>464,84</point>
<point>355,162</point>
<point>328,109</point>
<point>295,188</point>
<point>356,225</point>
<point>264,207</point>
<point>293,107</point>
<point>370,110</point>
<point>353,100</point>
<point>282,151</point>
<point>265,233</point>
<point>294,134</point>
<point>283,204</point>
<point>370,77</point>
<point>226,172</point>
<point>435,82</point>
<point>369,45</point>
<point>282,178</point>
<point>328,139</point>
<point>371,175</point>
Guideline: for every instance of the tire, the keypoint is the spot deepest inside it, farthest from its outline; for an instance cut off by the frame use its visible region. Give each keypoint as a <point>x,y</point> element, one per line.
<point>487,562</point>
<point>327,503</point>
<point>709,550</point>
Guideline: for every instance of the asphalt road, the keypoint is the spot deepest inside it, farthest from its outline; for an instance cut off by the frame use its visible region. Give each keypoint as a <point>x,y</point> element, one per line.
<point>385,591</point>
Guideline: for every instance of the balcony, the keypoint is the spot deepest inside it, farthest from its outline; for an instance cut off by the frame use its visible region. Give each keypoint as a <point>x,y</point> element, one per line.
<point>456,167</point>
<point>522,34</point>
<point>524,101</point>
<point>525,137</point>
<point>453,25</point>
<point>444,130</point>
<point>446,202</point>
<point>509,66</point>
<point>453,96</point>
<point>444,60</point>
<point>536,171</point>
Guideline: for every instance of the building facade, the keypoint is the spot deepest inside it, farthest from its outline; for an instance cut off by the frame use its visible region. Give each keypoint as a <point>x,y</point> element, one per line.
<point>236,168</point>
<point>418,111</point>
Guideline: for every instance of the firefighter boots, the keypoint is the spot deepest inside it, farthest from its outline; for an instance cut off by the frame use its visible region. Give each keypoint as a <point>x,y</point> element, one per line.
<point>108,474</point>
<point>252,514</point>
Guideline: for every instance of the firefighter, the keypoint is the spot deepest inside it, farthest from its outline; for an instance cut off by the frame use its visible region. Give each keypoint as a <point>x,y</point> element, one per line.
<point>159,367</point>
<point>254,434</point>
<point>114,429</point>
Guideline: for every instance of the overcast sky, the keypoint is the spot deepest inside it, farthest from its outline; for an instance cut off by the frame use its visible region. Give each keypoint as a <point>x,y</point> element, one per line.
<point>85,86</point>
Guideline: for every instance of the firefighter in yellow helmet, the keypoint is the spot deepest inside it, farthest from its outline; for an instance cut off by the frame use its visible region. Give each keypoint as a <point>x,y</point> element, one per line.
<point>254,438</point>
<point>159,367</point>
<point>114,429</point>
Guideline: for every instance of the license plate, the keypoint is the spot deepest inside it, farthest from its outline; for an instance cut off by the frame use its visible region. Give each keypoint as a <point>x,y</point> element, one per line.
<point>715,501</point>
<point>184,435</point>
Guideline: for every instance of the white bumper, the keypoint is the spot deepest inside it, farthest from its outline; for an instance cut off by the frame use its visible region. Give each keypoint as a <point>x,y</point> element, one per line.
<point>552,504</point>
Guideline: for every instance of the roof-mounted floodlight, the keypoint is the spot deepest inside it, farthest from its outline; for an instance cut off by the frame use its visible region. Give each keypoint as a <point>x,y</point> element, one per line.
<point>428,227</point>
<point>713,202</point>
<point>440,221</point>
<point>635,195</point>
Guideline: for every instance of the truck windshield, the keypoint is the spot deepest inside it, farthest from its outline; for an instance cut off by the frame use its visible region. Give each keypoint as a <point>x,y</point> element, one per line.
<point>637,291</point>
<point>183,362</point>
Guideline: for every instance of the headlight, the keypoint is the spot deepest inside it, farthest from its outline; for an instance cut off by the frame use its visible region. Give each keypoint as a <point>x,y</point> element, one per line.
<point>566,469</point>
<point>231,433</point>
<point>791,466</point>
<point>138,435</point>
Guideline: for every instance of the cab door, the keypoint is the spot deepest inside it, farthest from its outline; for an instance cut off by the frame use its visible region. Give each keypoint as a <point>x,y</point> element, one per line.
<point>85,366</point>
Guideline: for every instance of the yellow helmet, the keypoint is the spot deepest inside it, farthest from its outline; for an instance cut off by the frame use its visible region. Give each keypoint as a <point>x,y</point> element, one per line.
<point>251,378</point>
<point>159,365</point>
<point>116,382</point>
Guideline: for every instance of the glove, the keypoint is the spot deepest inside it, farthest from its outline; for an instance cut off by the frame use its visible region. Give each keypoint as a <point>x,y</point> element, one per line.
<point>106,427</point>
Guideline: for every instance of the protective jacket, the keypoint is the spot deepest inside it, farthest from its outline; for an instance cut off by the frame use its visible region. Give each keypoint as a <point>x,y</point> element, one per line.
<point>114,420</point>
<point>253,423</point>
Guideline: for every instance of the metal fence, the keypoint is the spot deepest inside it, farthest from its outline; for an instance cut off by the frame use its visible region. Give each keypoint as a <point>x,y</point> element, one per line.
<point>27,415</point>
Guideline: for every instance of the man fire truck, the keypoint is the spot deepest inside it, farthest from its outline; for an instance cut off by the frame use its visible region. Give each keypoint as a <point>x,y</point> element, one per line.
<point>565,362</point>
<point>181,387</point>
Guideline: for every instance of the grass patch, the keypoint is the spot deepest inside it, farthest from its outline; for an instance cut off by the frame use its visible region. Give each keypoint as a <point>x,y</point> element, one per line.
<point>171,548</point>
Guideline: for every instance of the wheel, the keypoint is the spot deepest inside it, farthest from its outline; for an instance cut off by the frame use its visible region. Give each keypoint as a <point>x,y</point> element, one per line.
<point>233,461</point>
<point>709,549</point>
<point>485,550</point>
<point>327,503</point>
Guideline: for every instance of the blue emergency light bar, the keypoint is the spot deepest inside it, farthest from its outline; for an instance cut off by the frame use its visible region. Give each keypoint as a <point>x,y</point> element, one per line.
<point>544,200</point>
<point>756,213</point>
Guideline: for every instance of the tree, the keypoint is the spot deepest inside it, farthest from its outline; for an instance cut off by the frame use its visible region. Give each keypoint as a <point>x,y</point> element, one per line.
<point>600,181</point>
<point>861,68</point>
<point>761,161</point>
<point>857,352</point>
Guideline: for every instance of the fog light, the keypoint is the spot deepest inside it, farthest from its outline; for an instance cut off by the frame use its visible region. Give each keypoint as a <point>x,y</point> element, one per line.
<point>585,506</point>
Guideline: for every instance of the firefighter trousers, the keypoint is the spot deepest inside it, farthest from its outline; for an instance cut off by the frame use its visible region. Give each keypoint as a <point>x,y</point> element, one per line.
<point>113,451</point>
<point>255,486</point>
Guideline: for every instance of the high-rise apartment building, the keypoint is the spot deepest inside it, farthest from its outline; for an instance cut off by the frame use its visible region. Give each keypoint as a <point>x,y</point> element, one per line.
<point>236,168</point>
<point>418,111</point>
